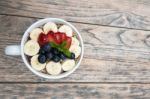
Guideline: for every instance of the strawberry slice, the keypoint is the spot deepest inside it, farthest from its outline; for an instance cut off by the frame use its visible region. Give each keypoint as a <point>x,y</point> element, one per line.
<point>57,37</point>
<point>68,42</point>
<point>42,39</point>
<point>51,38</point>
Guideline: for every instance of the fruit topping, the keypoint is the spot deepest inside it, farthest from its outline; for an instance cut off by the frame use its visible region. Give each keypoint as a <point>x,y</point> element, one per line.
<point>42,39</point>
<point>72,56</point>
<point>42,58</point>
<point>56,58</point>
<point>49,55</point>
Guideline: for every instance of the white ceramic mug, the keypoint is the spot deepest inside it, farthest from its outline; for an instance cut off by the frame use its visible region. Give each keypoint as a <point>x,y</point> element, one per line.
<point>18,49</point>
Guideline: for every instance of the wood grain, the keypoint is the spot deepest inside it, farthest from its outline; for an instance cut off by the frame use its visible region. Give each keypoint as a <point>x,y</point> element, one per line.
<point>74,91</point>
<point>111,54</point>
<point>127,13</point>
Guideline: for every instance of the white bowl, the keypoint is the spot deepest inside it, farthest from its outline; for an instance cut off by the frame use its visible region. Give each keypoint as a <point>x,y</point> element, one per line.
<point>40,23</point>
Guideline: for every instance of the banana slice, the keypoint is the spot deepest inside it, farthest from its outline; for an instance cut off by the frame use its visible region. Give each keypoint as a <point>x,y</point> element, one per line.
<point>75,49</point>
<point>36,64</point>
<point>53,68</point>
<point>50,26</point>
<point>34,34</point>
<point>68,64</point>
<point>66,29</point>
<point>75,41</point>
<point>31,48</point>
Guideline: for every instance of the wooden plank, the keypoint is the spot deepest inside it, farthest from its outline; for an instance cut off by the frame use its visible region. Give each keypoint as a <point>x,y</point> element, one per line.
<point>111,54</point>
<point>75,91</point>
<point>127,13</point>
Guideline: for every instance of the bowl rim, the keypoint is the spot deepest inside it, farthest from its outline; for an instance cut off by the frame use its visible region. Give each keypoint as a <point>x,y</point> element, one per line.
<point>44,21</point>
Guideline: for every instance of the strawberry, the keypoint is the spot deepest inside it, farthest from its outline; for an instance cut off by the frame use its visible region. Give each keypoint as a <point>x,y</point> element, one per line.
<point>51,38</point>
<point>57,36</point>
<point>42,39</point>
<point>50,32</point>
<point>63,37</point>
<point>68,42</point>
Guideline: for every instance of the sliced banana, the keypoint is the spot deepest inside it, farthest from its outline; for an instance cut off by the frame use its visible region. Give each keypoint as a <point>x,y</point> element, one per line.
<point>75,41</point>
<point>68,64</point>
<point>36,64</point>
<point>50,26</point>
<point>53,68</point>
<point>31,48</point>
<point>75,49</point>
<point>34,34</point>
<point>66,29</point>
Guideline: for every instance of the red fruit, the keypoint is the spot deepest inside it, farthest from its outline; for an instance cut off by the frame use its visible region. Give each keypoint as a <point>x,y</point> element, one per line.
<point>57,37</point>
<point>51,32</point>
<point>51,38</point>
<point>42,39</point>
<point>68,42</point>
<point>63,37</point>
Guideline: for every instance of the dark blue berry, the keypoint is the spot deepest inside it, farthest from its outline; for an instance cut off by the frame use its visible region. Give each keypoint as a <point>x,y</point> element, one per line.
<point>55,51</point>
<point>62,56</point>
<point>41,51</point>
<point>42,58</point>
<point>72,56</point>
<point>49,55</point>
<point>56,58</point>
<point>46,47</point>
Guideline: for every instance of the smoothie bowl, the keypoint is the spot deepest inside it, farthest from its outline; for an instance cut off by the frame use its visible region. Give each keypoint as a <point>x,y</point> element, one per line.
<point>51,48</point>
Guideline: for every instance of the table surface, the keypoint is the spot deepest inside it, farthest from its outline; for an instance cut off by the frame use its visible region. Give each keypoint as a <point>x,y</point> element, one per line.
<point>116,63</point>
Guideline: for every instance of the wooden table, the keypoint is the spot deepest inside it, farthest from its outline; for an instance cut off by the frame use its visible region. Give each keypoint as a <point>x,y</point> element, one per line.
<point>116,63</point>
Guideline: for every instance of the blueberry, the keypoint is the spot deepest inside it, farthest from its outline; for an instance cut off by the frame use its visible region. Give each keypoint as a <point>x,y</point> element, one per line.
<point>42,58</point>
<point>46,47</point>
<point>49,55</point>
<point>56,59</point>
<point>62,56</point>
<point>55,51</point>
<point>72,56</point>
<point>41,51</point>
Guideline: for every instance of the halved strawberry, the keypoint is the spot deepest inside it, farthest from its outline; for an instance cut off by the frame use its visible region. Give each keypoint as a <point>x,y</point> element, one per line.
<point>68,42</point>
<point>42,39</point>
<point>51,38</point>
<point>63,37</point>
<point>50,32</point>
<point>57,36</point>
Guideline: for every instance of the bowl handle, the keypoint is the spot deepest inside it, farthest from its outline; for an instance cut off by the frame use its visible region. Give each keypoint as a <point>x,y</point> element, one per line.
<point>13,50</point>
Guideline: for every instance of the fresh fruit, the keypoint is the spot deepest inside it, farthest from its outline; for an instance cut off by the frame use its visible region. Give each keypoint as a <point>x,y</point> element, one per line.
<point>57,37</point>
<point>53,68</point>
<point>68,64</point>
<point>56,58</point>
<point>49,55</point>
<point>62,56</point>
<point>34,34</point>
<point>36,64</point>
<point>47,47</point>
<point>42,39</point>
<point>68,42</point>
<point>55,51</point>
<point>75,49</point>
<point>42,58</point>
<point>63,37</point>
<point>41,51</point>
<point>72,56</point>
<point>51,38</point>
<point>50,26</point>
<point>75,41</point>
<point>31,48</point>
<point>66,29</point>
